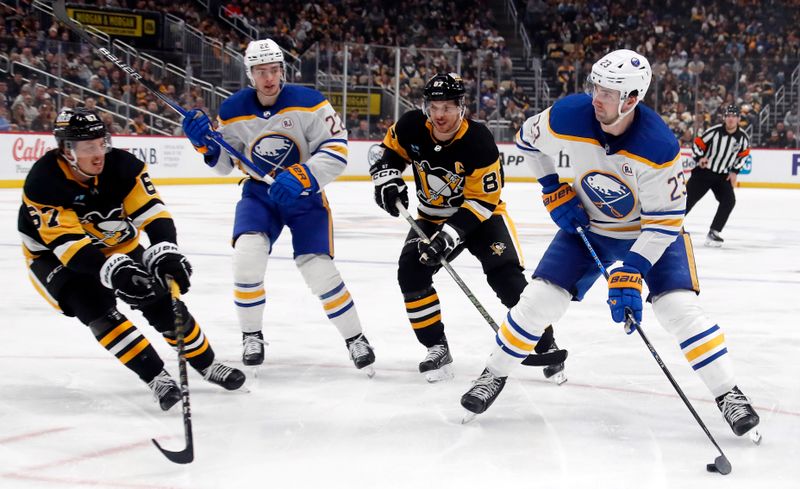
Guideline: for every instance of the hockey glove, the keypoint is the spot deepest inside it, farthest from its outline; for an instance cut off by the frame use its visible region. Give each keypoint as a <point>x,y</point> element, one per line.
<point>389,186</point>
<point>197,127</point>
<point>129,280</point>
<point>163,261</point>
<point>625,295</point>
<point>563,205</point>
<point>293,182</point>
<point>440,246</point>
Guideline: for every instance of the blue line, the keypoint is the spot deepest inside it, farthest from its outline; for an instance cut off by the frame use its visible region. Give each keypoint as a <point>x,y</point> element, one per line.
<point>521,331</point>
<point>239,304</point>
<point>332,292</point>
<point>341,311</point>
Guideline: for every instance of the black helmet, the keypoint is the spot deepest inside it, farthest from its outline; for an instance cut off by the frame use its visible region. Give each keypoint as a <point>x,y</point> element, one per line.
<point>732,110</point>
<point>78,125</point>
<point>448,86</point>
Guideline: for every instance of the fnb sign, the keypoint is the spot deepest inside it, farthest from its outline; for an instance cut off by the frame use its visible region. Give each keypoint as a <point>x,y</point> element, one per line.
<point>795,164</point>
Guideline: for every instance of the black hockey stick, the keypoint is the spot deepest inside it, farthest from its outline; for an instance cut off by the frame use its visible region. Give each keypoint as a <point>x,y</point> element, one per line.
<point>535,360</point>
<point>721,464</point>
<point>186,455</point>
<point>60,12</point>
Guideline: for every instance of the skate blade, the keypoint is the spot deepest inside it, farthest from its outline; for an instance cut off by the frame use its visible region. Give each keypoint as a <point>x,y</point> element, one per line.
<point>755,436</point>
<point>369,370</point>
<point>713,244</point>
<point>468,416</point>
<point>438,375</point>
<point>558,378</point>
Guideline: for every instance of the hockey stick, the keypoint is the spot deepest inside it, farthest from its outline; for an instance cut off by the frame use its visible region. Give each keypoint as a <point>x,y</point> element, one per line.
<point>721,463</point>
<point>535,360</point>
<point>186,455</point>
<point>60,12</point>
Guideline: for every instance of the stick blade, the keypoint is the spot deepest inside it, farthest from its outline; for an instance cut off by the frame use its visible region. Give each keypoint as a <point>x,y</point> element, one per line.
<point>722,465</point>
<point>185,456</point>
<point>545,359</point>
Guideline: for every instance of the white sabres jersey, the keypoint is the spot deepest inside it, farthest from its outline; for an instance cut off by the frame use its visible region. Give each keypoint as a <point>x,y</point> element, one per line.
<point>301,127</point>
<point>632,186</point>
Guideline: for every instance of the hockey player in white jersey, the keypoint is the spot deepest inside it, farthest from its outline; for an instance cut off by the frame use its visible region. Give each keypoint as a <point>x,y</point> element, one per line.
<point>293,134</point>
<point>630,196</point>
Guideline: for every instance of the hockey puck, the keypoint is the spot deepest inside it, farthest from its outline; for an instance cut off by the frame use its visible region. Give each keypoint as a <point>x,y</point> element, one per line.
<point>711,468</point>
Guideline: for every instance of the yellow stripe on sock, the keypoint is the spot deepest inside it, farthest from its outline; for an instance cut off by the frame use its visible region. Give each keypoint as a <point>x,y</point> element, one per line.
<point>112,335</point>
<point>338,302</point>
<point>421,302</point>
<point>249,295</point>
<point>200,350</point>
<point>513,340</point>
<point>710,345</point>
<point>426,323</point>
<point>134,351</point>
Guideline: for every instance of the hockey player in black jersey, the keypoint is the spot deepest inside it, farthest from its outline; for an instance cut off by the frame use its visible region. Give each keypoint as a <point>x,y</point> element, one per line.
<point>459,178</point>
<point>83,207</point>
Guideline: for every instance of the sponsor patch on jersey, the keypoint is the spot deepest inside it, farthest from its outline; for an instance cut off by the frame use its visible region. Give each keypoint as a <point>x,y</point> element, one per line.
<point>609,194</point>
<point>274,151</point>
<point>627,170</point>
<point>287,123</point>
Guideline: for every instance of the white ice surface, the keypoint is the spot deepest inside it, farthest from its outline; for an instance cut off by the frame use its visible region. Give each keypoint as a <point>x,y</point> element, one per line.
<point>72,416</point>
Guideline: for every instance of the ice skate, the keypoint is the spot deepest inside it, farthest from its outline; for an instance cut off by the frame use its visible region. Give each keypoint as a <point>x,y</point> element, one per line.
<point>482,394</point>
<point>739,413</point>
<point>165,391</point>
<point>253,348</point>
<point>362,354</point>
<point>436,366</point>
<point>227,377</point>
<point>713,239</point>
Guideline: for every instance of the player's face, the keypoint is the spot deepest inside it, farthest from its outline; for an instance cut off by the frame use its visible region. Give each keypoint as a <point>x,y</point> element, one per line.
<point>731,121</point>
<point>267,78</point>
<point>445,115</point>
<point>91,155</point>
<point>606,104</point>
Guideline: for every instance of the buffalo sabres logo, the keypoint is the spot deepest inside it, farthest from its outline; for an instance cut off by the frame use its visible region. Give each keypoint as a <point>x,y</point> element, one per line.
<point>108,230</point>
<point>438,186</point>
<point>274,151</point>
<point>613,197</point>
<point>498,248</point>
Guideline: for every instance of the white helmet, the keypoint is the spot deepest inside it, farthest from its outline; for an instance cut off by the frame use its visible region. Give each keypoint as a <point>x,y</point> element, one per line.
<point>623,70</point>
<point>263,52</point>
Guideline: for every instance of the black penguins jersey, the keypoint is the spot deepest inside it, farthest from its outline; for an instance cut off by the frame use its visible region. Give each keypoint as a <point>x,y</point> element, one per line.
<point>459,180</point>
<point>83,223</point>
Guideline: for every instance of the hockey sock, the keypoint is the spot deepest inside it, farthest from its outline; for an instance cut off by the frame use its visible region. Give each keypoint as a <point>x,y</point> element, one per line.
<point>122,339</point>
<point>701,341</point>
<point>196,347</point>
<point>425,314</point>
<point>324,280</point>
<point>250,255</point>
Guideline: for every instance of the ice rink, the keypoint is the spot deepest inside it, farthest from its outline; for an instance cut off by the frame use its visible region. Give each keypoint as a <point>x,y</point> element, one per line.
<point>72,416</point>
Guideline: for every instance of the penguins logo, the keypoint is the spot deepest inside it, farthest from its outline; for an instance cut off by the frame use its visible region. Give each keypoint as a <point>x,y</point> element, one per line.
<point>438,186</point>
<point>274,151</point>
<point>498,248</point>
<point>109,230</point>
<point>609,194</point>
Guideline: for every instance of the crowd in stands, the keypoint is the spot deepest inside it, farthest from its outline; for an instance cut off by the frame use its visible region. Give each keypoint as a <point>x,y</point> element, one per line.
<point>704,56</point>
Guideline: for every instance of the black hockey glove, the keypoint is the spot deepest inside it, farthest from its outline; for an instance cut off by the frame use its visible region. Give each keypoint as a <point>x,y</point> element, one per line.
<point>163,260</point>
<point>441,245</point>
<point>129,280</point>
<point>389,186</point>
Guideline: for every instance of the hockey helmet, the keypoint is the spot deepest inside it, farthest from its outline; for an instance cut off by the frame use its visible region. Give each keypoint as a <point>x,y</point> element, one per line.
<point>447,86</point>
<point>78,125</point>
<point>262,52</point>
<point>623,70</point>
<point>732,110</point>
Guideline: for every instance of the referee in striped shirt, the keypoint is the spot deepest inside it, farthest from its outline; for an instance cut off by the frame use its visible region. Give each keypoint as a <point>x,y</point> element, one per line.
<point>719,154</point>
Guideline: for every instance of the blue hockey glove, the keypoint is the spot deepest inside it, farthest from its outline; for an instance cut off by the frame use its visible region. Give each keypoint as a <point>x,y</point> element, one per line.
<point>440,246</point>
<point>197,127</point>
<point>625,294</point>
<point>291,183</point>
<point>563,205</point>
